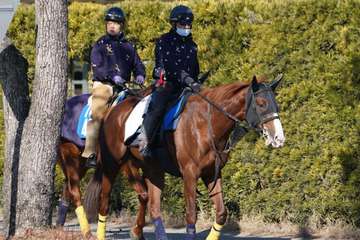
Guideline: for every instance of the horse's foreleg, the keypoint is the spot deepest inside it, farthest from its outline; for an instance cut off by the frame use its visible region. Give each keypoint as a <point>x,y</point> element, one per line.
<point>137,182</point>
<point>155,184</point>
<point>73,170</point>
<point>221,213</point>
<point>190,203</point>
<point>107,182</point>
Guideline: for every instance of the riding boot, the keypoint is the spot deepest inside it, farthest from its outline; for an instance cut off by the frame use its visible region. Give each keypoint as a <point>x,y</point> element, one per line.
<point>149,131</point>
<point>92,132</point>
<point>152,120</point>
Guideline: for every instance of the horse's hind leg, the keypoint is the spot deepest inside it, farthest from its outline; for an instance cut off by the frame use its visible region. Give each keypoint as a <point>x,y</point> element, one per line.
<point>137,182</point>
<point>221,213</point>
<point>74,169</point>
<point>155,184</point>
<point>63,206</point>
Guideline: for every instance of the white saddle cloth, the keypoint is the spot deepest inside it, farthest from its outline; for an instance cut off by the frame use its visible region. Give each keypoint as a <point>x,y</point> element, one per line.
<point>135,119</point>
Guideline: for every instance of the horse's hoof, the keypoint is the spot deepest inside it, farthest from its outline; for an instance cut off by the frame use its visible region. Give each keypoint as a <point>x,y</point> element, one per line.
<point>135,237</point>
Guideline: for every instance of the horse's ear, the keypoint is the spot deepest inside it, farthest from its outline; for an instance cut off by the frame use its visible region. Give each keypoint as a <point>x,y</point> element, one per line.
<point>254,84</point>
<point>276,82</point>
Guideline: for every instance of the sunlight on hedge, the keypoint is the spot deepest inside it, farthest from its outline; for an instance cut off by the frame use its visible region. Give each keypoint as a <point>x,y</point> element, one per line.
<point>315,43</point>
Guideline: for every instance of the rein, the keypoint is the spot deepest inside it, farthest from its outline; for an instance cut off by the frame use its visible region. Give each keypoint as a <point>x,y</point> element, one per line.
<point>131,91</point>
<point>240,129</point>
<point>240,126</point>
<point>220,109</point>
<point>213,145</point>
<point>118,89</point>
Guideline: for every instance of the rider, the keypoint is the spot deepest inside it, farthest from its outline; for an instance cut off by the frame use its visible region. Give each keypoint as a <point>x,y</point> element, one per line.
<point>113,59</point>
<point>175,57</point>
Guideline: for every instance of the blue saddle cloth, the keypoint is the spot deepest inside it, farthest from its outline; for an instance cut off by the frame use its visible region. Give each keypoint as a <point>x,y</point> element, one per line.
<point>69,124</point>
<point>76,116</point>
<point>172,116</point>
<point>85,115</point>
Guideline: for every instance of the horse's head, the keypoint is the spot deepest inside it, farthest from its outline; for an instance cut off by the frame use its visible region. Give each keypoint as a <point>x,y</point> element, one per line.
<point>262,111</point>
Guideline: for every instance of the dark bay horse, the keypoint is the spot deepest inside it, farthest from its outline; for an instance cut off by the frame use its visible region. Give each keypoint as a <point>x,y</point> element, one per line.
<point>197,147</point>
<point>74,169</point>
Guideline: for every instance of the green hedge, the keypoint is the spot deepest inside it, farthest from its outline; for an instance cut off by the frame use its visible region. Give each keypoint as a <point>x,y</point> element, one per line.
<point>314,43</point>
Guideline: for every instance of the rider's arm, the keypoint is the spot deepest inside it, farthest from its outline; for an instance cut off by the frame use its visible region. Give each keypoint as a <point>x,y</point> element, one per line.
<point>159,59</point>
<point>100,70</point>
<point>138,66</point>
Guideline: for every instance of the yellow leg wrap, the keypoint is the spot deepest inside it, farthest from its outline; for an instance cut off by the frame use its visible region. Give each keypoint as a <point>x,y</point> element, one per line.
<point>215,232</point>
<point>84,224</point>
<point>101,229</point>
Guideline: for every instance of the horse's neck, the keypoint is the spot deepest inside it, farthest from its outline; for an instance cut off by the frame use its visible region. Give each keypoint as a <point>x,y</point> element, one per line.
<point>222,124</point>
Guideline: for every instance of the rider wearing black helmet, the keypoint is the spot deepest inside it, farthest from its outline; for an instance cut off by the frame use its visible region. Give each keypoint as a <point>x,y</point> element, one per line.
<point>176,66</point>
<point>175,56</point>
<point>113,59</point>
<point>181,14</point>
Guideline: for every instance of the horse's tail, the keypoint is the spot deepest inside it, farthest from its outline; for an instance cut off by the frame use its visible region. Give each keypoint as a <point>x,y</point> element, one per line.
<point>92,195</point>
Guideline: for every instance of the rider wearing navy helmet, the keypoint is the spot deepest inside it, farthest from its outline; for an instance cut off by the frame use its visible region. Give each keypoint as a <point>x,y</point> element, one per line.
<point>115,14</point>
<point>113,60</point>
<point>175,56</point>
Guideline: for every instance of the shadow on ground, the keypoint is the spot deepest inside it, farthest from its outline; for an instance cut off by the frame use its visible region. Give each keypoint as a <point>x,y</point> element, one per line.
<point>124,234</point>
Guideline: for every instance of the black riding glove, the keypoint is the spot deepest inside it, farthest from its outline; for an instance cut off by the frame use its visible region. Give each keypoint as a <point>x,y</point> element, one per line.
<point>195,86</point>
<point>190,82</point>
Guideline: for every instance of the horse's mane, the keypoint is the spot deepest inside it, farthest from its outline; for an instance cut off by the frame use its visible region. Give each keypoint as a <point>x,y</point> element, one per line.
<point>227,91</point>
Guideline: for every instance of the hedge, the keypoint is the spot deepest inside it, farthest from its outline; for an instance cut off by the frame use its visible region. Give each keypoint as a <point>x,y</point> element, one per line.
<point>315,43</point>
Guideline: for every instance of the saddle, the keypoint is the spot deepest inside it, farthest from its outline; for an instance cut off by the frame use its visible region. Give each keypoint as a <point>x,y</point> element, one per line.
<point>85,115</point>
<point>169,123</point>
<point>77,113</point>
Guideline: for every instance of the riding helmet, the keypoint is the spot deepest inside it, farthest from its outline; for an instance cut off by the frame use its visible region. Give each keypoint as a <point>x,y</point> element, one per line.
<point>181,14</point>
<point>115,14</point>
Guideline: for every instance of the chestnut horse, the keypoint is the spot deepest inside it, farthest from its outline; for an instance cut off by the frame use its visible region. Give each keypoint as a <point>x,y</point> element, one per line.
<point>74,169</point>
<point>198,147</point>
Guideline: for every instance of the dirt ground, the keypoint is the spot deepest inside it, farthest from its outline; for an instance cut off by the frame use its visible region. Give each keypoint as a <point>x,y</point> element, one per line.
<point>118,228</point>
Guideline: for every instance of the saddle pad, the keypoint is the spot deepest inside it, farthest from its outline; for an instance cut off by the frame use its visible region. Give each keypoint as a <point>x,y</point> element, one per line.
<point>135,118</point>
<point>85,116</point>
<point>170,121</point>
<point>73,109</point>
<point>172,116</point>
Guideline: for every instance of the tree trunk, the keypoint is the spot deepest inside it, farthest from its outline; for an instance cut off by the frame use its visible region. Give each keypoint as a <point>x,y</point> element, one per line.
<point>38,151</point>
<point>13,78</point>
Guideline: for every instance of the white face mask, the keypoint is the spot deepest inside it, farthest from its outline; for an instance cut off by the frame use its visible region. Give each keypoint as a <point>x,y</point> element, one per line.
<point>183,31</point>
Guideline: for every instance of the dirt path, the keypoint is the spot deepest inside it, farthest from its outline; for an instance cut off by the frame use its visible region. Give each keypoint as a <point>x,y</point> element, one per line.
<point>117,230</point>
<point>121,231</point>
